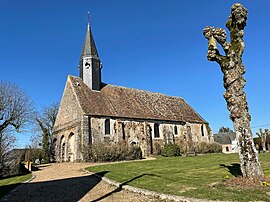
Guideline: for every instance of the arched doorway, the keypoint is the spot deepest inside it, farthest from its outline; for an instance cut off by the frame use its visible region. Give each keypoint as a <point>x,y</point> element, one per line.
<point>71,147</point>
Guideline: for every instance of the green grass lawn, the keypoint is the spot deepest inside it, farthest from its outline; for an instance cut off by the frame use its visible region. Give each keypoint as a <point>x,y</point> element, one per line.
<point>10,183</point>
<point>199,176</point>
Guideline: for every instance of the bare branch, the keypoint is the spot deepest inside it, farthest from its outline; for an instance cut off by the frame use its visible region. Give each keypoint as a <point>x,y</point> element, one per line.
<point>15,112</point>
<point>220,35</point>
<point>213,53</point>
<point>15,107</point>
<point>44,123</point>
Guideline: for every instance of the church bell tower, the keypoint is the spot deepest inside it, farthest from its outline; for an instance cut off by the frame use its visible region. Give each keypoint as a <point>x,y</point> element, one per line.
<point>90,64</point>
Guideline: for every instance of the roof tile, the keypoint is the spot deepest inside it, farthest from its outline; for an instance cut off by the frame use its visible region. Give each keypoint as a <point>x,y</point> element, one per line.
<point>116,101</point>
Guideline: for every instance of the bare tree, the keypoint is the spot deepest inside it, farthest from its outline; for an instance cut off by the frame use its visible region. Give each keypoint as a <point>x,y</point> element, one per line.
<point>263,136</point>
<point>45,121</point>
<point>16,111</point>
<point>234,82</point>
<point>223,129</point>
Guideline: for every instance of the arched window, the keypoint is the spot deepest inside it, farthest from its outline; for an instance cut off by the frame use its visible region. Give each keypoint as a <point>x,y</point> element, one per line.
<point>107,127</point>
<point>175,130</point>
<point>156,130</point>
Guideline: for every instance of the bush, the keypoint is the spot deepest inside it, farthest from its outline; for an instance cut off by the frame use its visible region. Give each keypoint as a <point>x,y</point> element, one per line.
<point>170,150</point>
<point>111,152</point>
<point>204,148</point>
<point>215,148</point>
<point>184,146</point>
<point>157,148</point>
<point>108,152</point>
<point>13,166</point>
<point>135,152</point>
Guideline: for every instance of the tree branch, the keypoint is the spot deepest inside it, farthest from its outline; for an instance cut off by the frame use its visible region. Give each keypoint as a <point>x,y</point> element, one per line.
<point>220,35</point>
<point>213,53</point>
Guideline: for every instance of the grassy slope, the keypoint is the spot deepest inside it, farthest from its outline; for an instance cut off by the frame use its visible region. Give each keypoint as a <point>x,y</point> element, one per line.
<point>10,183</point>
<point>187,176</point>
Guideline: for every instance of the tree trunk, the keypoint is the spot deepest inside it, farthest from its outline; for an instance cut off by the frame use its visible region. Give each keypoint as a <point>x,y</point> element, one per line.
<point>264,141</point>
<point>234,82</point>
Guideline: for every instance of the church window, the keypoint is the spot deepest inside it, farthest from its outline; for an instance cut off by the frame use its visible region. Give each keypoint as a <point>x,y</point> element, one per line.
<point>123,131</point>
<point>156,130</point>
<point>202,130</point>
<point>107,127</point>
<point>175,130</point>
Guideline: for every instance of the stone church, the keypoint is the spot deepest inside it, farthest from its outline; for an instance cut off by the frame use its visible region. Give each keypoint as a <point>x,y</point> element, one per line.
<point>92,111</point>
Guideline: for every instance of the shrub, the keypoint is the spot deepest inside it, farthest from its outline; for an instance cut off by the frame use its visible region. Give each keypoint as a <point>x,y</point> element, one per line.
<point>215,148</point>
<point>13,167</point>
<point>111,152</point>
<point>135,152</point>
<point>157,148</point>
<point>184,146</point>
<point>108,152</point>
<point>170,150</point>
<point>204,148</point>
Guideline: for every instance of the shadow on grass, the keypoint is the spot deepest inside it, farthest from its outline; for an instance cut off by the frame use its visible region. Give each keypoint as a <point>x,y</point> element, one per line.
<point>118,189</point>
<point>70,189</point>
<point>234,169</point>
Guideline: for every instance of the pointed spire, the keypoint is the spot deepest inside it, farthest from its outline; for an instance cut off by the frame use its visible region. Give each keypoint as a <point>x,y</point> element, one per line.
<point>89,47</point>
<point>90,64</point>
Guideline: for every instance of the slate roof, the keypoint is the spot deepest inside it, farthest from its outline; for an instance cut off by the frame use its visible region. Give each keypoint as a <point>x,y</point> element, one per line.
<point>224,138</point>
<point>116,101</point>
<point>89,46</point>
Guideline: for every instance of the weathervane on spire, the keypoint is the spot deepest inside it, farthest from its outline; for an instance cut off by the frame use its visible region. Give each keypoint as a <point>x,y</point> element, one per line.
<point>88,17</point>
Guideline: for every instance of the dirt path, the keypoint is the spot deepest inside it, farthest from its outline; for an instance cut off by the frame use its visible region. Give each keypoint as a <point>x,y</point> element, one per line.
<point>67,182</point>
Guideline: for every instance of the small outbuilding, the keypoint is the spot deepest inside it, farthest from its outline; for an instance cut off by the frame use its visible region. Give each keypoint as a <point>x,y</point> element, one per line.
<point>228,142</point>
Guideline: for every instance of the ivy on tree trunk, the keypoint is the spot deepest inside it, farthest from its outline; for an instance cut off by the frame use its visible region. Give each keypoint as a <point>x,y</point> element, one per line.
<point>233,69</point>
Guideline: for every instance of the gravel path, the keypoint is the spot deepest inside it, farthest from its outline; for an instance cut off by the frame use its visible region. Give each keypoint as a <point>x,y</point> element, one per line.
<point>67,182</point>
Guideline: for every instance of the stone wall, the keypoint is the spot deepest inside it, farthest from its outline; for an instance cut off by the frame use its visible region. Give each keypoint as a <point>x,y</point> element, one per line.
<point>67,128</point>
<point>70,142</point>
<point>142,133</point>
<point>70,112</point>
<point>66,145</point>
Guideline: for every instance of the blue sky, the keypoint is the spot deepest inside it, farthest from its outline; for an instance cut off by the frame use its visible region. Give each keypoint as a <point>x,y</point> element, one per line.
<point>146,44</point>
